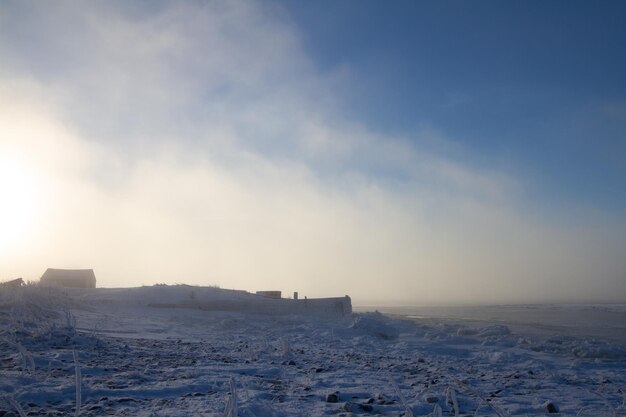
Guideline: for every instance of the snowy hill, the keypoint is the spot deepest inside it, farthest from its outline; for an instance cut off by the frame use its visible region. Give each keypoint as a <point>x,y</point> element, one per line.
<point>111,352</point>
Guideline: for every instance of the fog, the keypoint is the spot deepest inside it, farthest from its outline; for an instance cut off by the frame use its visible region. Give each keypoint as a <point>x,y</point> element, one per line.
<point>199,144</point>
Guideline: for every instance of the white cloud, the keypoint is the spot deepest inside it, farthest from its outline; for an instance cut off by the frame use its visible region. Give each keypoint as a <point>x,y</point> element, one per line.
<point>196,143</point>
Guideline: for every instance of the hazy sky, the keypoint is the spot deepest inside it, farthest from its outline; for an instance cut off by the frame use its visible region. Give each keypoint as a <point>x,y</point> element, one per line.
<point>413,152</point>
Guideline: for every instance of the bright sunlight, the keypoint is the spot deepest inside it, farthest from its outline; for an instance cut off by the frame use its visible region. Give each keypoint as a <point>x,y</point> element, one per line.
<point>18,200</point>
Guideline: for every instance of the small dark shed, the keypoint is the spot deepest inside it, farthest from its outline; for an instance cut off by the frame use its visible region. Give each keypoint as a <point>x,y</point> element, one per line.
<point>73,278</point>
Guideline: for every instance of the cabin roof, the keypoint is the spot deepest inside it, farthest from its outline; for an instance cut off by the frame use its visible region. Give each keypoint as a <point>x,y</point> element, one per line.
<point>68,274</point>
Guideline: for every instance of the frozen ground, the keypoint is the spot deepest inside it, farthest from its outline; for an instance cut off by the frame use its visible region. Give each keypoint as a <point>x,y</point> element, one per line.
<point>132,359</point>
<point>600,321</point>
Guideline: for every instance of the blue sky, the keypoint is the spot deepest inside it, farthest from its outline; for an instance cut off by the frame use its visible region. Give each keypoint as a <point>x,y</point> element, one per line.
<point>538,86</point>
<point>399,152</point>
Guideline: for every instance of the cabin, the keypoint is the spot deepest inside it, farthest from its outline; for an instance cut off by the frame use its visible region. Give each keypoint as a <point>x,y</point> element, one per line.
<point>70,278</point>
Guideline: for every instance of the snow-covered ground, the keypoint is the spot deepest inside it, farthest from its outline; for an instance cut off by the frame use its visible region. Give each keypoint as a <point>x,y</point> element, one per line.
<point>130,358</point>
<point>600,321</point>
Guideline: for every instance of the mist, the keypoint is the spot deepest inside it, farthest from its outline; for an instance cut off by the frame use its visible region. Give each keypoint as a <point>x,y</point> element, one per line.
<point>200,144</point>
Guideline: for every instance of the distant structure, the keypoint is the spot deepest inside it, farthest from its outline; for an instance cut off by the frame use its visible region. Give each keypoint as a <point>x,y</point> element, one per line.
<point>270,294</point>
<point>72,278</point>
<point>14,283</point>
<point>218,299</point>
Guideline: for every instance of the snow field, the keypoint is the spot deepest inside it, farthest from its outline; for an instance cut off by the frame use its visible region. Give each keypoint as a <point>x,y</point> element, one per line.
<point>111,356</point>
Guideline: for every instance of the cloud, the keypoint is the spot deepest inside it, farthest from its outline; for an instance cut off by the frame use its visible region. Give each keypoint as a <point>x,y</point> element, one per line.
<point>197,143</point>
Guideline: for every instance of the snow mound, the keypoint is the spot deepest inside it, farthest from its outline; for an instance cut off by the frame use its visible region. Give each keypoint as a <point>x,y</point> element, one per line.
<point>582,348</point>
<point>377,325</point>
<point>497,330</point>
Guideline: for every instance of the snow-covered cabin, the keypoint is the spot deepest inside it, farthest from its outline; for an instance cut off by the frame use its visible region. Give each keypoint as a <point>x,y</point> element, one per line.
<point>74,278</point>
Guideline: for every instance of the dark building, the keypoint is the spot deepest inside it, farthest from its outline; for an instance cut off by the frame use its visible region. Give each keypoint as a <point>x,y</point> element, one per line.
<point>73,278</point>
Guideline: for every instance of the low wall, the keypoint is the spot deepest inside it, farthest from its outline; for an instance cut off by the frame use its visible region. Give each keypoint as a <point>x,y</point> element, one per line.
<point>336,306</point>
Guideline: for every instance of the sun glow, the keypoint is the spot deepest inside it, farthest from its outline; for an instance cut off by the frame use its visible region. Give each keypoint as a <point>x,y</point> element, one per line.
<point>19,201</point>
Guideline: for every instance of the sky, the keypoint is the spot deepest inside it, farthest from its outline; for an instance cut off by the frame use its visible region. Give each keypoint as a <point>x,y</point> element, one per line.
<point>400,152</point>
